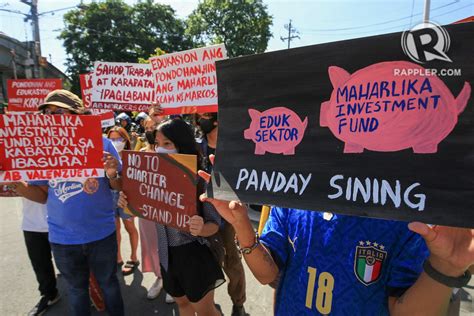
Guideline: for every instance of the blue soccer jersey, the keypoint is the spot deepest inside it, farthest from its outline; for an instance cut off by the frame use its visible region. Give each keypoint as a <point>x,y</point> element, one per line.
<point>340,265</point>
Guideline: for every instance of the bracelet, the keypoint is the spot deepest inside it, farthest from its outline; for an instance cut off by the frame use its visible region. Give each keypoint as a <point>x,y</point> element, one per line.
<point>455,282</point>
<point>113,178</point>
<point>248,250</point>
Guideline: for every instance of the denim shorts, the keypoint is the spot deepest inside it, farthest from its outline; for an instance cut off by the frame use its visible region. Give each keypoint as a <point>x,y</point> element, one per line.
<point>119,212</point>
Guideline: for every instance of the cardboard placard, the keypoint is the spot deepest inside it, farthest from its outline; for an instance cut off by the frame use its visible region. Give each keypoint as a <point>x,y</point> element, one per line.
<point>122,86</point>
<point>44,147</point>
<point>86,89</point>
<point>6,192</point>
<point>186,81</point>
<point>161,187</point>
<point>354,127</point>
<point>25,95</point>
<point>107,116</point>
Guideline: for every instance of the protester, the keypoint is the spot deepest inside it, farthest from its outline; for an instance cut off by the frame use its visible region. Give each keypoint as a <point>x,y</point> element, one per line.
<point>124,120</point>
<point>140,122</point>
<point>81,220</point>
<point>121,141</point>
<point>35,232</point>
<point>189,270</point>
<point>233,267</point>
<point>144,142</point>
<point>320,260</point>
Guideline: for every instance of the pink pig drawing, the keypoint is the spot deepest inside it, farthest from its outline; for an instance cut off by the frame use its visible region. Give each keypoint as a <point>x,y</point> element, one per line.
<point>277,130</point>
<point>391,106</point>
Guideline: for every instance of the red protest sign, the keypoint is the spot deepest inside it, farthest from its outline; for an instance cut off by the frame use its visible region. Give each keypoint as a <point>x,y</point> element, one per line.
<point>122,86</point>
<point>107,117</point>
<point>43,147</point>
<point>86,88</point>
<point>25,95</point>
<point>5,191</point>
<point>161,187</point>
<point>186,82</point>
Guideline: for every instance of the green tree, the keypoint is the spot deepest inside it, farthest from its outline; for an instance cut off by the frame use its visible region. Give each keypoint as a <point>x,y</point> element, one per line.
<point>114,31</point>
<point>242,25</point>
<point>158,52</point>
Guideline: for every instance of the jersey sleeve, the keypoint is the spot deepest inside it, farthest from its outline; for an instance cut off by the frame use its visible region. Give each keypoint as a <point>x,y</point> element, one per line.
<point>407,264</point>
<point>275,235</point>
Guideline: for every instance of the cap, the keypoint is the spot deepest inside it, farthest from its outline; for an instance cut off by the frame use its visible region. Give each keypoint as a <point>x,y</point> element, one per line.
<point>63,99</point>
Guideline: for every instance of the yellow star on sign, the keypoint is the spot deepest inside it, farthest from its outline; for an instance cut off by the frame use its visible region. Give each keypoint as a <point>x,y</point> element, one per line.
<point>361,243</point>
<point>382,247</point>
<point>368,243</point>
<point>375,244</point>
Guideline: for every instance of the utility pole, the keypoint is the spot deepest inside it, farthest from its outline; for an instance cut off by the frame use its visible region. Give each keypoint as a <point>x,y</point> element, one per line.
<point>426,11</point>
<point>13,53</point>
<point>33,16</point>
<point>291,31</point>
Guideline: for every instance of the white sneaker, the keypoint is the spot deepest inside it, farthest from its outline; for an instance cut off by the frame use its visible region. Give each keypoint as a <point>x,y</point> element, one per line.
<point>169,299</point>
<point>155,289</point>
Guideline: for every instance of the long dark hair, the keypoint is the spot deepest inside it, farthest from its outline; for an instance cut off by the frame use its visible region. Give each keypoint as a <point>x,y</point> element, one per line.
<point>182,136</point>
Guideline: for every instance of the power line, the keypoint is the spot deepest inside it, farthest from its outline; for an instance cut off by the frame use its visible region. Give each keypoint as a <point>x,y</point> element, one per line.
<point>400,26</point>
<point>57,10</point>
<point>379,23</point>
<point>411,14</point>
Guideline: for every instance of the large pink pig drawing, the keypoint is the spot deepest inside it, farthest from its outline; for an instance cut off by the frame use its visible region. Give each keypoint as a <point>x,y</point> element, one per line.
<point>391,106</point>
<point>277,130</point>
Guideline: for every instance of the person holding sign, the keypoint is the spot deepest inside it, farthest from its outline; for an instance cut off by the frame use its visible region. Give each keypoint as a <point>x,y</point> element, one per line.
<point>81,220</point>
<point>189,270</point>
<point>340,265</point>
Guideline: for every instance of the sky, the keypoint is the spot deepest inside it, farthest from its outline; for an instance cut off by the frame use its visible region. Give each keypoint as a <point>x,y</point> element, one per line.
<point>316,21</point>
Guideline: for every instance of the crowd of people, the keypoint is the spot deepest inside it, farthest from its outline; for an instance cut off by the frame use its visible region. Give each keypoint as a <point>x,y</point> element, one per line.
<point>318,262</point>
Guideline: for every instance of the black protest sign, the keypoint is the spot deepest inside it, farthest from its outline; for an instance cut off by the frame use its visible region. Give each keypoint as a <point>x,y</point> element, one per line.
<point>354,127</point>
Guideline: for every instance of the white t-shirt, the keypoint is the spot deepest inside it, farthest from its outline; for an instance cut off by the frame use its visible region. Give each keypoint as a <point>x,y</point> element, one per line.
<point>34,217</point>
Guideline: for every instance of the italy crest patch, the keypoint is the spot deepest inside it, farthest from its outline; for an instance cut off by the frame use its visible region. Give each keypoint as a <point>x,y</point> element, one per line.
<point>368,261</point>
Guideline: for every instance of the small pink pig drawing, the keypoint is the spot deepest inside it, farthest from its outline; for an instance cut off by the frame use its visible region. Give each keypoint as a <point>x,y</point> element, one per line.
<point>391,106</point>
<point>277,130</point>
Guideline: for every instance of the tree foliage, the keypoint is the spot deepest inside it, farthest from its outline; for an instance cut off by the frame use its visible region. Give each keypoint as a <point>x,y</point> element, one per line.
<point>114,31</point>
<point>158,52</point>
<point>242,25</point>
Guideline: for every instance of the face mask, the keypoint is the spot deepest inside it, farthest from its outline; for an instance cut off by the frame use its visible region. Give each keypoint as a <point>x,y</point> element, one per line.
<point>118,145</point>
<point>207,125</point>
<point>150,137</point>
<point>162,150</point>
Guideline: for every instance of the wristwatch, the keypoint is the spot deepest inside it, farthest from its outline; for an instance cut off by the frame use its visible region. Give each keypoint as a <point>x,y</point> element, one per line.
<point>248,250</point>
<point>455,282</point>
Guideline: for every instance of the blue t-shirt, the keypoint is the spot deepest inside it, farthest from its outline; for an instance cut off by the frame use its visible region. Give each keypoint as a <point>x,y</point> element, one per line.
<point>341,265</point>
<point>80,211</point>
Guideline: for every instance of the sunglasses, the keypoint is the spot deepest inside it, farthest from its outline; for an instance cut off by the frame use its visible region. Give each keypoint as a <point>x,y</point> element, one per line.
<point>58,111</point>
